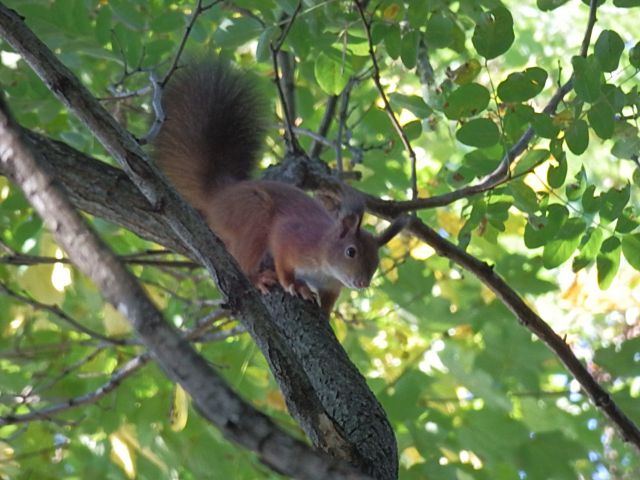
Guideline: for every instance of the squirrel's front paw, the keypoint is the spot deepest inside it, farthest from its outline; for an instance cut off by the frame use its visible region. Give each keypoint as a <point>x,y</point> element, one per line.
<point>301,289</point>
<point>264,280</point>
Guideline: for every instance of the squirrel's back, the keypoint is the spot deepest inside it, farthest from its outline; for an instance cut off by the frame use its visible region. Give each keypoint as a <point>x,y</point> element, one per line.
<point>214,129</point>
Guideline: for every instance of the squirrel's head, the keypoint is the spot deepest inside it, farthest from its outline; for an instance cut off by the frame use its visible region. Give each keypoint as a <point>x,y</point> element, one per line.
<point>353,252</point>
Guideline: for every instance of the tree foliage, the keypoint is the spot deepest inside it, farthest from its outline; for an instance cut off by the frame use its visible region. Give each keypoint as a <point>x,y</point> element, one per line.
<point>510,128</point>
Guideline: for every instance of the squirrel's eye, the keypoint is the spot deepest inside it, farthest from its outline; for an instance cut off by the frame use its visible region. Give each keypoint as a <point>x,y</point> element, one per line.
<point>350,252</point>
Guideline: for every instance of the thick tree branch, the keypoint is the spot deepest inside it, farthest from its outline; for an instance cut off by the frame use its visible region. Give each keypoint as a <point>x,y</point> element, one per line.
<point>318,396</point>
<point>212,396</point>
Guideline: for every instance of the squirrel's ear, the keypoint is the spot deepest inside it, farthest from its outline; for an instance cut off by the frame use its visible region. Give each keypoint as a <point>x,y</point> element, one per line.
<point>331,201</point>
<point>350,223</point>
<point>392,230</point>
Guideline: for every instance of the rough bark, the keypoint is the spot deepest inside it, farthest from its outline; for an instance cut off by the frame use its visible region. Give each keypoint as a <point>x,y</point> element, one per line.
<point>369,446</point>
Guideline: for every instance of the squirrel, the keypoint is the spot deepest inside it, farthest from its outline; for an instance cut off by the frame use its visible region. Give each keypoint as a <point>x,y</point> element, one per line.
<point>208,146</point>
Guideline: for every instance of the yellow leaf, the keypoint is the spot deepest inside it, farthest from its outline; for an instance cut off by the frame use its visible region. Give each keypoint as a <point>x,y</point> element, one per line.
<point>275,400</point>
<point>563,118</point>
<point>36,280</point>
<point>450,221</point>
<point>422,251</point>
<point>391,12</point>
<point>410,457</point>
<point>179,413</point>
<point>462,331</point>
<point>122,455</point>
<point>115,325</point>
<point>158,297</point>
<point>389,269</point>
<point>466,72</point>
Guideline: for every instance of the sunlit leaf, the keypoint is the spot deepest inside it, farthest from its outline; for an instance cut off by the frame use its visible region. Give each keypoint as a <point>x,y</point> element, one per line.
<point>521,86</point>
<point>560,249</point>
<point>631,249</point>
<point>588,78</point>
<point>608,261</point>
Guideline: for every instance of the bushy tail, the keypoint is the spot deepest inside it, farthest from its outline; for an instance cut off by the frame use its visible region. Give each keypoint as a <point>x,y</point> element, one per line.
<point>214,129</point>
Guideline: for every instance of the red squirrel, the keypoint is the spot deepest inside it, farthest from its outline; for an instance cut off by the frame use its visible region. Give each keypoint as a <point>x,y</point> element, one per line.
<point>208,146</point>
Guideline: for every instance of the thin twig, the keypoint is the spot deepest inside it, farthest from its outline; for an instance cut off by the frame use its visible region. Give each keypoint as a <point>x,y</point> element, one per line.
<point>47,413</point>
<point>323,129</point>
<point>534,323</point>
<point>387,106</point>
<point>198,333</point>
<point>199,9</point>
<point>501,174</point>
<point>342,121</point>
<point>61,314</point>
<point>290,137</point>
<point>156,104</point>
<point>21,259</point>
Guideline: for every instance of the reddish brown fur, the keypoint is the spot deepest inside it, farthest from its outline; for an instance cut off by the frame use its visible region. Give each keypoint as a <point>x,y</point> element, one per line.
<point>208,147</point>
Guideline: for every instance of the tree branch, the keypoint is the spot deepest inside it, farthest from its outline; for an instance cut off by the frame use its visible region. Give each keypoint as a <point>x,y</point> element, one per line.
<point>212,396</point>
<point>532,321</point>
<point>387,106</point>
<point>502,172</point>
<point>298,345</point>
<point>61,314</point>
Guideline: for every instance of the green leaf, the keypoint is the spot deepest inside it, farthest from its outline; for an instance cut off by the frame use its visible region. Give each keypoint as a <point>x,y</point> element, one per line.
<point>560,249</point>
<point>575,189</point>
<point>544,126</point>
<point>546,5</point>
<point>620,360</point>
<point>263,47</point>
<point>378,32</point>
<point>613,202</point>
<point>608,262</point>
<point>626,147</point>
<point>634,55</point>
<point>521,86</point>
<point>590,247</point>
<point>531,159</point>
<point>608,49</point>
<point>479,132</point>
<point>631,249</point>
<point>626,3</point>
<point>602,119</point>
<point>614,95</point>
<point>128,14</point>
<point>542,229</point>
<point>556,175</point>
<point>439,30</point>
<point>393,41</point>
<point>465,101</point>
<point>577,137</point>
<point>413,103</point>
<point>409,48</point>
<point>587,78</point>
<point>332,76</point>
<point>103,25</point>
<point>493,34</point>
<point>169,21</point>
<point>524,197</point>
<point>590,202</point>
<point>413,129</point>
<point>627,221</point>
